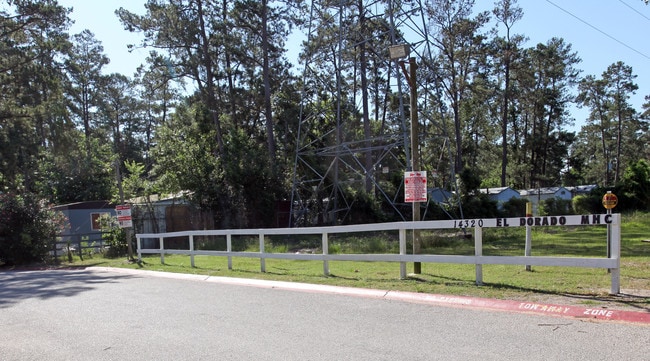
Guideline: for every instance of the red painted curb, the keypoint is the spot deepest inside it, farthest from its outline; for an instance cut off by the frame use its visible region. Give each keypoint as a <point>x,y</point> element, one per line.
<point>538,308</point>
<point>546,309</point>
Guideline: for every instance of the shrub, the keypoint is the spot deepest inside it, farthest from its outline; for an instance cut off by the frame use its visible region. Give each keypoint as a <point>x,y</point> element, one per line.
<point>636,185</point>
<point>555,207</point>
<point>583,204</point>
<point>514,207</point>
<point>479,206</point>
<point>114,237</point>
<point>364,208</point>
<point>27,229</point>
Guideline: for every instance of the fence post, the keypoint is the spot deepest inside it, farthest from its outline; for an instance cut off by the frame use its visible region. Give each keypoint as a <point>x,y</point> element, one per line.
<point>81,254</point>
<point>262,259</point>
<point>326,251</point>
<point>191,250</point>
<point>139,245</point>
<point>529,234</point>
<point>478,252</point>
<point>229,249</point>
<point>162,250</point>
<point>615,238</point>
<point>402,252</point>
<point>56,258</point>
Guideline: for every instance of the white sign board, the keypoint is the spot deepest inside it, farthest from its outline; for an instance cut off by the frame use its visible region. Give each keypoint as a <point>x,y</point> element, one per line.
<point>415,186</point>
<point>125,223</point>
<point>123,210</point>
<point>124,216</point>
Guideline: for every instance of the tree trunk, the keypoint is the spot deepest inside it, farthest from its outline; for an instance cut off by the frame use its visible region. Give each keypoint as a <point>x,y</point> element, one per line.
<point>268,110</point>
<point>504,121</point>
<point>209,78</point>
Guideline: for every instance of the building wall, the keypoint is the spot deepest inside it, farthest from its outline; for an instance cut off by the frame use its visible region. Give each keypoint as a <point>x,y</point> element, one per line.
<point>82,218</point>
<point>535,196</point>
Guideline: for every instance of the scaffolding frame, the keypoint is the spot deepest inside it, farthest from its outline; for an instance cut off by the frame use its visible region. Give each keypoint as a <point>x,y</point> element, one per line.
<point>327,160</point>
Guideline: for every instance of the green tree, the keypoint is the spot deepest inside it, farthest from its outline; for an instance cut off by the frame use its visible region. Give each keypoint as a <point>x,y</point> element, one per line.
<point>636,183</point>
<point>72,177</point>
<point>460,46</point>
<point>644,137</point>
<point>614,131</point>
<point>197,42</point>
<point>595,136</point>
<point>620,83</point>
<point>114,237</point>
<point>27,228</point>
<point>84,67</point>
<point>158,95</point>
<point>32,117</point>
<point>506,52</point>
<point>121,122</point>
<point>547,77</point>
<point>227,50</point>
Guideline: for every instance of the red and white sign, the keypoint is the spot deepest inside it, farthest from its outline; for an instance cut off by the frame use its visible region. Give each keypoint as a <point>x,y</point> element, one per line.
<point>415,186</point>
<point>124,215</point>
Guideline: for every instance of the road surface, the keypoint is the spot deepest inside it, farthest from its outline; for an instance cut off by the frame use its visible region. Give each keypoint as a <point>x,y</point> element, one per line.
<point>111,315</point>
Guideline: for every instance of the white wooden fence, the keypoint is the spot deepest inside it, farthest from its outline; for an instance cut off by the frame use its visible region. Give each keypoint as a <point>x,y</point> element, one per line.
<point>611,262</point>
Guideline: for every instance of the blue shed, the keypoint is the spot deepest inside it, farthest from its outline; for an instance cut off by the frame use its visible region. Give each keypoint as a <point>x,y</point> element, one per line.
<point>83,219</point>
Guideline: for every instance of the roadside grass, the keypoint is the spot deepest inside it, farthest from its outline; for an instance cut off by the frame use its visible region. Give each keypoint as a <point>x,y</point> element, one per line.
<point>586,286</point>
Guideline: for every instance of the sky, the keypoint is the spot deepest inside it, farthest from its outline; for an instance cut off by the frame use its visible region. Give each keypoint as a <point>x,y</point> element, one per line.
<point>99,17</point>
<point>602,32</point>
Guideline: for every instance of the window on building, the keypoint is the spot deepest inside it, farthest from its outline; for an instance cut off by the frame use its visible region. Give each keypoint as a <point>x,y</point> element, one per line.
<point>94,220</point>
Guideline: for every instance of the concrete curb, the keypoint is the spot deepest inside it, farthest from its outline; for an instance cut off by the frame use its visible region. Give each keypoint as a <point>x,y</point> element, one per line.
<point>584,313</point>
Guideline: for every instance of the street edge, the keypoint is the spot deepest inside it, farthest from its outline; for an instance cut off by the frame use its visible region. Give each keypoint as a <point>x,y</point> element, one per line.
<point>538,308</point>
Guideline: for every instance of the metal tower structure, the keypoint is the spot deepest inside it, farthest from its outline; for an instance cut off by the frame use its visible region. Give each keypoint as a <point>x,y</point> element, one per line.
<point>353,129</point>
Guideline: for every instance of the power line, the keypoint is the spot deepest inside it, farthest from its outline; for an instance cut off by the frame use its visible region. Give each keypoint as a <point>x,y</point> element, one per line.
<point>598,30</point>
<point>635,10</point>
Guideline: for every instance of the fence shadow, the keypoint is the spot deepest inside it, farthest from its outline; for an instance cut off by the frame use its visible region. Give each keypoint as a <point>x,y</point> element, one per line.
<point>639,302</point>
<point>17,286</point>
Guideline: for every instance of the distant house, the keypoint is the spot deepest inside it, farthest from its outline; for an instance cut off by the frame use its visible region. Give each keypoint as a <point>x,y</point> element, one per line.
<point>439,195</point>
<point>581,190</point>
<point>500,195</point>
<point>83,219</point>
<point>537,195</point>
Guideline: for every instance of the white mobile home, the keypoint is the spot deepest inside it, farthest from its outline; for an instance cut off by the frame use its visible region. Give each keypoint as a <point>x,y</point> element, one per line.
<point>537,195</point>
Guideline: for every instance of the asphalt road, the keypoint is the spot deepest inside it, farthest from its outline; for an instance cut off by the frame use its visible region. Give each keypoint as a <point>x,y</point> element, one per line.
<point>105,315</point>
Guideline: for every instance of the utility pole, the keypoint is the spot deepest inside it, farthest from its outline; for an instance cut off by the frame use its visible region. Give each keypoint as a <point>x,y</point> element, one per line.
<point>415,157</point>
<point>128,230</point>
<point>397,52</point>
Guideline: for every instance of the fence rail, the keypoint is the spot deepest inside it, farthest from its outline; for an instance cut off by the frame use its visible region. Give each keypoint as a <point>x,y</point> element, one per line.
<point>76,244</point>
<point>611,262</point>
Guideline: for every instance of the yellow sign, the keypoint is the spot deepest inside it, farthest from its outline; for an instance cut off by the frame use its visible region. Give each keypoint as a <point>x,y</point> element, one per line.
<point>610,200</point>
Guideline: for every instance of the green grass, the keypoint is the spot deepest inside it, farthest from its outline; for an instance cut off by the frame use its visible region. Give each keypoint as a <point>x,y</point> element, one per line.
<point>507,282</point>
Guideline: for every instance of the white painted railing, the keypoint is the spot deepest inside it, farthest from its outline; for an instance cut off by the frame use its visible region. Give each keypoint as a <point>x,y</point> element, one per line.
<point>612,262</point>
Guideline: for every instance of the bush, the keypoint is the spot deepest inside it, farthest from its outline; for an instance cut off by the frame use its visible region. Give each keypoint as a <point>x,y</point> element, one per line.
<point>514,207</point>
<point>114,237</point>
<point>636,185</point>
<point>27,229</point>
<point>364,208</point>
<point>480,206</point>
<point>583,204</point>
<point>555,207</point>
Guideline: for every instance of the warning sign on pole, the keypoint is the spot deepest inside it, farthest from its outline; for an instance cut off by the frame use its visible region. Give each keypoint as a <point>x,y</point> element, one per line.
<point>415,186</point>
<point>124,216</point>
